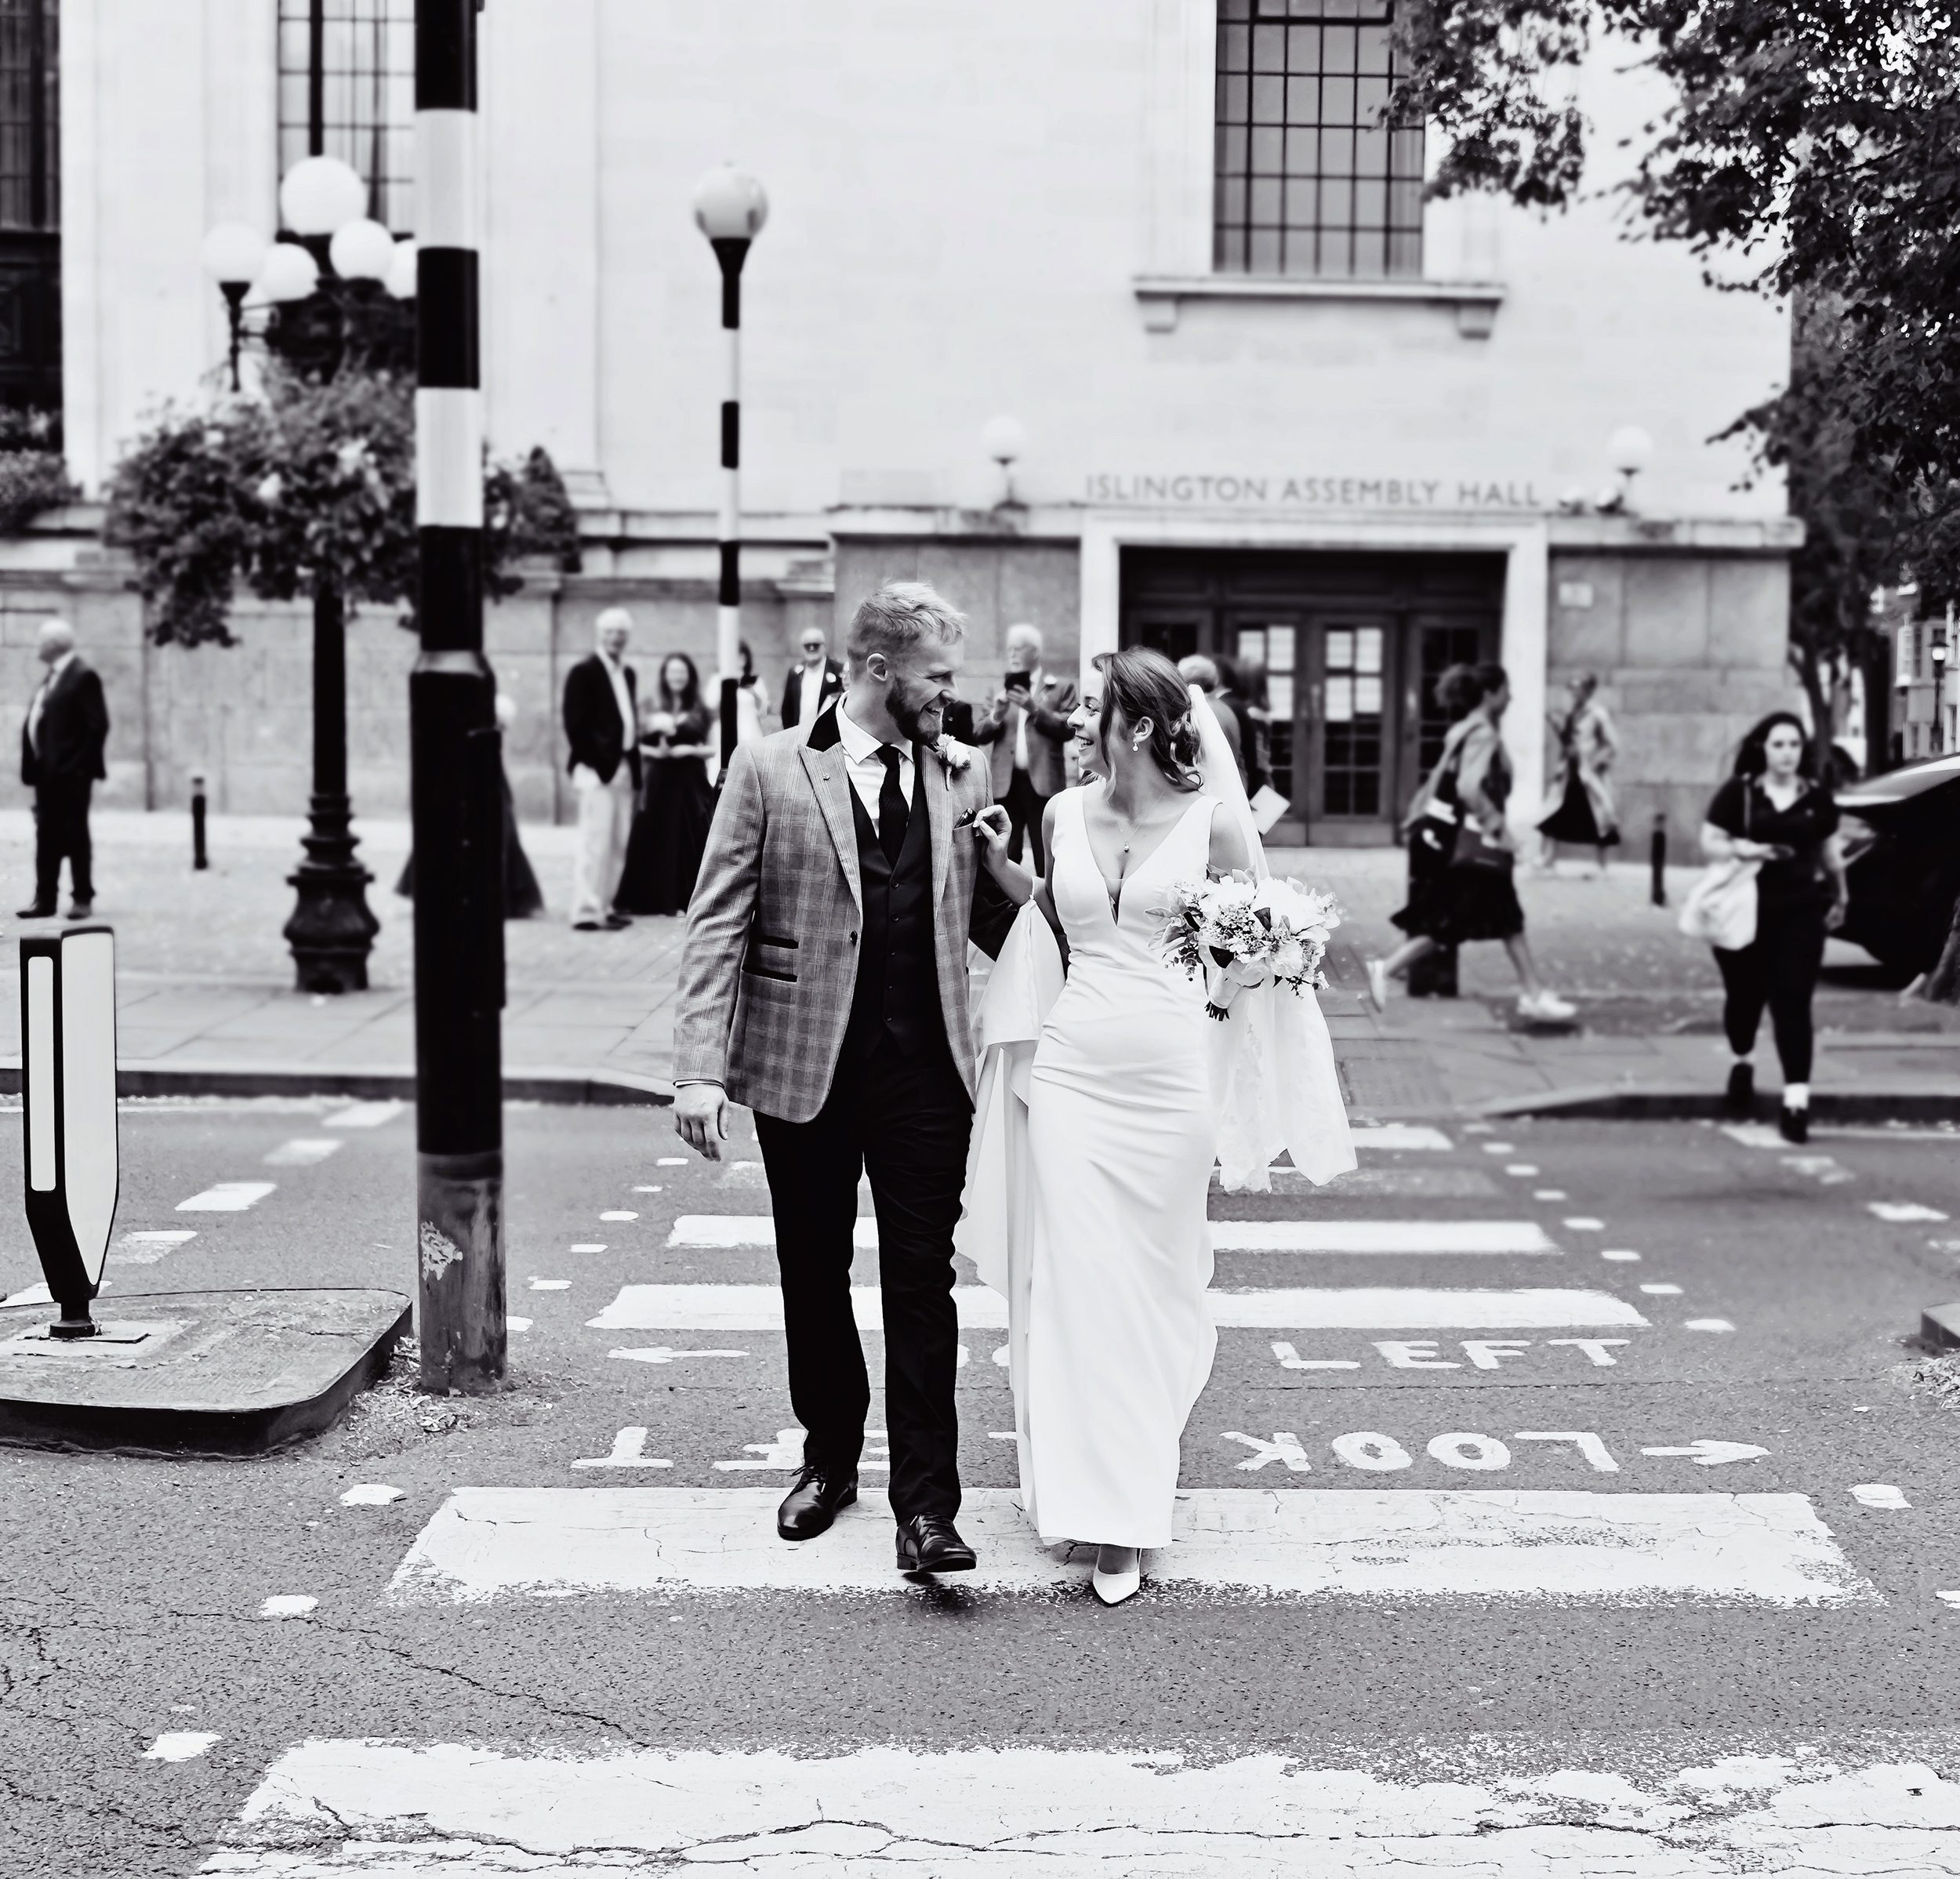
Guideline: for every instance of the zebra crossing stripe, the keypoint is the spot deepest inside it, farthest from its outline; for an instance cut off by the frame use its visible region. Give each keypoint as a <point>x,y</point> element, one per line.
<point>725,1231</point>
<point>1770,1549</point>
<point>1398,1137</point>
<point>362,1809</point>
<point>643,1308</point>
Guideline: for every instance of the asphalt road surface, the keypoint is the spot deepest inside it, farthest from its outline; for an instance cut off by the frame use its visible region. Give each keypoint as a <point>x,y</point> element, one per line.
<point>1570,1500</point>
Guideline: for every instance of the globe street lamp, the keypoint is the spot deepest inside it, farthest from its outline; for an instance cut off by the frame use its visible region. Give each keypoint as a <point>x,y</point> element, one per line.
<point>730,209</point>
<point>1939,651</point>
<point>1629,450</point>
<point>323,200</point>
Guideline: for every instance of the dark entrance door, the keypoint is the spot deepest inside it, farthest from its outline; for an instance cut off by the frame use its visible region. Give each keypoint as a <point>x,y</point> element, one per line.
<point>1351,645</point>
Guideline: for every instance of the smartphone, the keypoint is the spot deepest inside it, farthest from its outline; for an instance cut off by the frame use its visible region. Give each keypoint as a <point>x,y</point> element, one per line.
<point>1019,681</point>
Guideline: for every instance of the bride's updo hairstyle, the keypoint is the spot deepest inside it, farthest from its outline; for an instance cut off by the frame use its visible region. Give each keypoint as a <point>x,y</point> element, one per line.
<point>1141,683</point>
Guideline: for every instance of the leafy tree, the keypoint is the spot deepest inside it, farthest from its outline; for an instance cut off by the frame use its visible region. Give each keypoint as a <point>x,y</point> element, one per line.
<point>1806,151</point>
<point>309,491</point>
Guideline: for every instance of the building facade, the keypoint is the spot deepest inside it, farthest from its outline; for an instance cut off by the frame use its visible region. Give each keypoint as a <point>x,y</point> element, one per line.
<point>1270,401</point>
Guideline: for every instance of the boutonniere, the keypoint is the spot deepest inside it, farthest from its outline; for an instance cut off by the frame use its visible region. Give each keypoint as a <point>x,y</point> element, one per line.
<point>952,753</point>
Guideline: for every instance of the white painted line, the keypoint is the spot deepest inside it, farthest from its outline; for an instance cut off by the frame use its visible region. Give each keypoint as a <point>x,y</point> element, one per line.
<point>29,1295</point>
<point>1395,1138</point>
<point>1662,1291</point>
<point>1499,1148</point>
<point>364,1809</point>
<point>628,1451</point>
<point>227,1197</point>
<point>1952,1599</point>
<point>1523,1169</point>
<point>1878,1494</point>
<point>671,1161</point>
<point>587,1246</point>
<point>516,1324</point>
<point>366,1115</point>
<point>1901,1213</point>
<point>288,1604</point>
<point>486,1542</point>
<point>1292,1360</point>
<point>1549,1193</point>
<point>180,1745</point>
<point>1708,1324</point>
<point>662,1353</point>
<point>618,1213</point>
<point>722,1231</point>
<point>146,1249</point>
<point>1341,1308</point>
<point>302,1151</point>
<point>1621,1254</point>
<point>370,1494</point>
<point>1584,1223</point>
<point>551,1285</point>
<point>644,1190</point>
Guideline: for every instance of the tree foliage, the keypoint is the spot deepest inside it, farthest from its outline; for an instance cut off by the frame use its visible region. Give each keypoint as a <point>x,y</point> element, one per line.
<point>1809,149</point>
<point>312,485</point>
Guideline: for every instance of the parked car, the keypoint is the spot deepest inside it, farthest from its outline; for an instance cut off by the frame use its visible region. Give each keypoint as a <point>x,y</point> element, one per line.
<point>1902,839</point>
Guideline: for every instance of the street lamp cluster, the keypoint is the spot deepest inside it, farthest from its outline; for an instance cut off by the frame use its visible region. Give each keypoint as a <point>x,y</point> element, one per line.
<point>321,199</point>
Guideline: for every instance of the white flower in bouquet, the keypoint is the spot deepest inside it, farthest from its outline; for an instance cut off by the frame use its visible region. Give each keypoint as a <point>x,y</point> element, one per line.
<point>1236,933</point>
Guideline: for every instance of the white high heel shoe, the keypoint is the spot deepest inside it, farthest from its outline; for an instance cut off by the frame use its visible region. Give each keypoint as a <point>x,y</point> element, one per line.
<point>1114,1587</point>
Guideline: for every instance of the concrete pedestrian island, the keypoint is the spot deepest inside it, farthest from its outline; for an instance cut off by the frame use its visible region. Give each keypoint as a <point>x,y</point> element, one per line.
<point>195,1373</point>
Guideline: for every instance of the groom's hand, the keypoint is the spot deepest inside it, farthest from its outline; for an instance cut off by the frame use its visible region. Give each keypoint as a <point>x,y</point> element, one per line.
<point>701,1118</point>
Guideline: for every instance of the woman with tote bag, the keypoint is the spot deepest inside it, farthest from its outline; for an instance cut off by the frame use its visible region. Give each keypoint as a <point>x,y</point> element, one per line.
<point>1771,819</point>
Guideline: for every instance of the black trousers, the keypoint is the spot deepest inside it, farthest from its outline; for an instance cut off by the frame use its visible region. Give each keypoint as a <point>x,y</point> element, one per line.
<point>61,829</point>
<point>1024,804</point>
<point>1779,970</point>
<point>906,1121</point>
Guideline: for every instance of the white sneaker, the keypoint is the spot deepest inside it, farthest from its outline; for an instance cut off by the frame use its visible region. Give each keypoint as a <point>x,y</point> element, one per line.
<point>1547,1007</point>
<point>1113,1587</point>
<point>1377,971</point>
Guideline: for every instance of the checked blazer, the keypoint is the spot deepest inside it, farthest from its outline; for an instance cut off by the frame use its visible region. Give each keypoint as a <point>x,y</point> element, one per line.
<point>770,960</point>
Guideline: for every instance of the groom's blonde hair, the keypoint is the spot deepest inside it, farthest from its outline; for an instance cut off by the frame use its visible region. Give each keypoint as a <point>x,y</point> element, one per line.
<point>896,616</point>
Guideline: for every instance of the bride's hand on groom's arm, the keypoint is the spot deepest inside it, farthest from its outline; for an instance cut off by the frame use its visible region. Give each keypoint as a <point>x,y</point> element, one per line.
<point>990,830</point>
<point>701,1118</point>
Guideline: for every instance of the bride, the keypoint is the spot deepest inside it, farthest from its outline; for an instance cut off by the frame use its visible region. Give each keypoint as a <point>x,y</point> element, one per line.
<point>1106,1095</point>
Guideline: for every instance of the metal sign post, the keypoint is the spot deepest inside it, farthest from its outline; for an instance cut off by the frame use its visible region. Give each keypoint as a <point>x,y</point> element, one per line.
<point>68,1078</point>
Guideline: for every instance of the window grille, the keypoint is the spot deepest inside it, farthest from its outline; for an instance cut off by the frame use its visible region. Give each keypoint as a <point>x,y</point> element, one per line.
<point>1312,176</point>
<point>30,114</point>
<point>346,89</point>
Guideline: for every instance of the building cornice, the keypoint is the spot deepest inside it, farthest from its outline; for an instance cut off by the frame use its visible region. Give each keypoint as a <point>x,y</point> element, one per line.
<point>1161,297</point>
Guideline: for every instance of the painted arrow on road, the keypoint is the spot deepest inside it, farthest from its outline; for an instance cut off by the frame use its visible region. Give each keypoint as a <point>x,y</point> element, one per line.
<point>1713,1454</point>
<point>660,1354</point>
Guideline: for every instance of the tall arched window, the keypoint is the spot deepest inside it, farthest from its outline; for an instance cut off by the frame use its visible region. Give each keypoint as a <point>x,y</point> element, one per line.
<point>346,89</point>
<point>30,204</point>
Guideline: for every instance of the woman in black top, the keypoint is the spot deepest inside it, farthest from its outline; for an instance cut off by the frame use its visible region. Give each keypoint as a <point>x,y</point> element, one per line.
<point>677,799</point>
<point>1770,811</point>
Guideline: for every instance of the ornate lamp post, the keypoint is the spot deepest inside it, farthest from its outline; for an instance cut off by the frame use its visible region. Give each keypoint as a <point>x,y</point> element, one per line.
<point>730,209</point>
<point>323,200</point>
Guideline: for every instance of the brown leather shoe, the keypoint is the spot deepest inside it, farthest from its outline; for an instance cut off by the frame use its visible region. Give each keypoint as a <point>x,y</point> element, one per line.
<point>815,1498</point>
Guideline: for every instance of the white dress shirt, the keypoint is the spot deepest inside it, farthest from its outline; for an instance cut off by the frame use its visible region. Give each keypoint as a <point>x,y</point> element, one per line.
<point>1021,726</point>
<point>864,766</point>
<point>616,671</point>
<point>41,700</point>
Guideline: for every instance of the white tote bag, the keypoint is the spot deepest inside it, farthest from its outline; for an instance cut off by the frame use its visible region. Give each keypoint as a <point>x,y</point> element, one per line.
<point>1721,907</point>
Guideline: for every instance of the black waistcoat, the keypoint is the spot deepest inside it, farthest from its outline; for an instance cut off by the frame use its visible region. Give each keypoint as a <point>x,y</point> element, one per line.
<point>897,998</point>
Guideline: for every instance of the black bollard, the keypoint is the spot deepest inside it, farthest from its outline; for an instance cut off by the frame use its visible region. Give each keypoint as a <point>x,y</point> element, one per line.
<point>1659,861</point>
<point>198,858</point>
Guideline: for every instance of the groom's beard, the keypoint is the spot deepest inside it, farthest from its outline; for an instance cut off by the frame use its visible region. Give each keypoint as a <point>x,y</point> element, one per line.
<point>921,723</point>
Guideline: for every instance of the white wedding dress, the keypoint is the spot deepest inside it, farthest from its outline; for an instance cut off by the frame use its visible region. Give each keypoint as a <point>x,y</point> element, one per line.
<point>1123,1125</point>
<point>1103,1101</point>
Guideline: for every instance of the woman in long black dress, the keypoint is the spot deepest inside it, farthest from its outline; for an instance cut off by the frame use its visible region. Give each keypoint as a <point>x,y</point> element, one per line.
<point>676,801</point>
<point>523,899</point>
<point>1772,813</point>
<point>1474,896</point>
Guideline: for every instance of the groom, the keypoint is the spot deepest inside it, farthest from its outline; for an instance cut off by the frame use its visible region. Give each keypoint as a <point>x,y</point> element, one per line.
<point>823,983</point>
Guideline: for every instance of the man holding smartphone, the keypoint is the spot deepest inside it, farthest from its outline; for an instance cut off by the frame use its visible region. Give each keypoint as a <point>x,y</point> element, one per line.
<point>1028,727</point>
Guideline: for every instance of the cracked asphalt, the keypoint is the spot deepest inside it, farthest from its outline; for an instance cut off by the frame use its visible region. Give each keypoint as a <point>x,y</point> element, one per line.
<point>130,1608</point>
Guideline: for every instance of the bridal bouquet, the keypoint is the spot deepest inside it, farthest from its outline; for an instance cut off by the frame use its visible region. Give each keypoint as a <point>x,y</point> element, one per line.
<point>1239,932</point>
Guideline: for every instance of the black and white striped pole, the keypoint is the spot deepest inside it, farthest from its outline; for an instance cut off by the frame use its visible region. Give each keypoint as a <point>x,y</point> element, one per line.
<point>68,1085</point>
<point>730,208</point>
<point>454,797</point>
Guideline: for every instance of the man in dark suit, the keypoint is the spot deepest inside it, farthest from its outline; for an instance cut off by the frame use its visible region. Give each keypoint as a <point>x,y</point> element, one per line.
<point>602,727</point>
<point>1028,726</point>
<point>813,684</point>
<point>61,747</point>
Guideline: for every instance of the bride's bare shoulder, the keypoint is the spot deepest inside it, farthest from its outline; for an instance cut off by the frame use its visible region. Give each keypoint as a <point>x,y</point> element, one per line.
<point>1228,849</point>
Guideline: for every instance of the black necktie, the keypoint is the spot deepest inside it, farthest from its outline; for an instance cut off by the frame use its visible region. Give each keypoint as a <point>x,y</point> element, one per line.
<point>893,811</point>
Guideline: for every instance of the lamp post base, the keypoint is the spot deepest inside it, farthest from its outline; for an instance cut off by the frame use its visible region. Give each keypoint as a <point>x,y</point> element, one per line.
<point>332,930</point>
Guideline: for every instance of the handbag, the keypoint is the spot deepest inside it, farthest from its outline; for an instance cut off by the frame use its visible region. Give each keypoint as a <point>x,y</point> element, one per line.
<point>1469,846</point>
<point>1721,906</point>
